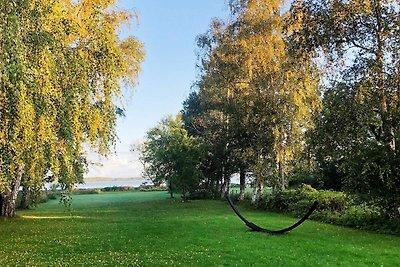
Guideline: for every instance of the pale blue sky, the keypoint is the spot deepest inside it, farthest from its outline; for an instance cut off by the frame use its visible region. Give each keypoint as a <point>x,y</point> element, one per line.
<point>168,30</point>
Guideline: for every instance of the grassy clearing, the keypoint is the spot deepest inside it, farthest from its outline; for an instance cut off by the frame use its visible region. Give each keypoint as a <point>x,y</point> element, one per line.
<point>147,228</point>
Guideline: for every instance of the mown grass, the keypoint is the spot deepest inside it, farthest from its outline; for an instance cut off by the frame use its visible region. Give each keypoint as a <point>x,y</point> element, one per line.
<point>148,229</point>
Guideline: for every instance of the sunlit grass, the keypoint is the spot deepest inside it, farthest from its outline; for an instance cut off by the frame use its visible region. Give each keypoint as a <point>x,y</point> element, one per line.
<point>49,217</point>
<point>149,229</point>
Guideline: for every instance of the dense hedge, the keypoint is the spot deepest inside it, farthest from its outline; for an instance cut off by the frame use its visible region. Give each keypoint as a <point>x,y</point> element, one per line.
<point>41,197</point>
<point>333,207</point>
<point>299,201</point>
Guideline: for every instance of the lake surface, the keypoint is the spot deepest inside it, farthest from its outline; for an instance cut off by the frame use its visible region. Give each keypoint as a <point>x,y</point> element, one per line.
<point>133,183</point>
<point>102,184</point>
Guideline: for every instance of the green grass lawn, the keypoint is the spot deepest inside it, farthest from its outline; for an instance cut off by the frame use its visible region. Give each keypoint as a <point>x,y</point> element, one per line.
<point>147,228</point>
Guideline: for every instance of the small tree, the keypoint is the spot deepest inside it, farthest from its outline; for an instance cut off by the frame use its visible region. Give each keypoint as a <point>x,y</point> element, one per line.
<point>171,156</point>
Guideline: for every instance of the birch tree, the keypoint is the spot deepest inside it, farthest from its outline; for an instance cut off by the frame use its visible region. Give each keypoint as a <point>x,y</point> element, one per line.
<point>362,37</point>
<point>62,69</point>
<point>264,87</point>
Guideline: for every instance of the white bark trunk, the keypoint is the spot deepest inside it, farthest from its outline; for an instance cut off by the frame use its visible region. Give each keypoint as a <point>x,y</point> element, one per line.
<point>9,199</point>
<point>242,183</point>
<point>225,187</point>
<point>258,192</point>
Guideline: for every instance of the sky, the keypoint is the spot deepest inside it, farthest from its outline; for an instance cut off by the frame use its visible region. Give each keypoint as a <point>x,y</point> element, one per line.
<point>168,30</point>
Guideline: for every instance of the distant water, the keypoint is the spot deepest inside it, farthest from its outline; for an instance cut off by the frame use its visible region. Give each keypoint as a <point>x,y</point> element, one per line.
<point>133,183</point>
<point>91,185</point>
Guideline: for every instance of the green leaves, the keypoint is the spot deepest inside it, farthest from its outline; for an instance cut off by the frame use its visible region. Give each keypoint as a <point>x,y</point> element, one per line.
<point>255,93</point>
<point>62,67</point>
<point>171,156</point>
<point>356,133</point>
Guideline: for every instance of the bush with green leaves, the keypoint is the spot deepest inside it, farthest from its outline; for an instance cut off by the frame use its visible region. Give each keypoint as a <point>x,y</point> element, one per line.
<point>298,201</point>
<point>86,191</point>
<point>117,188</point>
<point>333,207</point>
<point>173,157</point>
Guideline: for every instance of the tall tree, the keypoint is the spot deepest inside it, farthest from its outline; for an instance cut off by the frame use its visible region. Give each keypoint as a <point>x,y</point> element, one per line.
<point>363,38</point>
<point>62,64</point>
<point>265,92</point>
<point>365,35</point>
<point>202,120</point>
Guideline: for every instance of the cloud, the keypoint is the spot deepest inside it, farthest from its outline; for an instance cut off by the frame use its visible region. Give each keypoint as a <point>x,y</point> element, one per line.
<point>119,165</point>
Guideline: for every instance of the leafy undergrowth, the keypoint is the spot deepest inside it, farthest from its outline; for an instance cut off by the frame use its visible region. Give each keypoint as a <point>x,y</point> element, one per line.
<point>148,229</point>
<point>333,207</point>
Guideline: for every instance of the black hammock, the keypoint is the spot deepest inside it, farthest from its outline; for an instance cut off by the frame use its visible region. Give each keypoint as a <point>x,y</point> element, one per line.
<point>257,228</point>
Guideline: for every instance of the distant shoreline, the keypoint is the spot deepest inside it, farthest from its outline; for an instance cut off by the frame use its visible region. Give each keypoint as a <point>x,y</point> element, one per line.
<point>103,182</point>
<point>109,179</point>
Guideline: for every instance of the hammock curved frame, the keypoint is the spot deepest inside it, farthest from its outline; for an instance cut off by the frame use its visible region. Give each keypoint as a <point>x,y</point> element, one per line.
<point>257,228</point>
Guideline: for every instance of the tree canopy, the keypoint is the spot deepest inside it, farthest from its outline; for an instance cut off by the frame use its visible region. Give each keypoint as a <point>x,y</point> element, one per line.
<point>62,69</point>
<point>170,155</point>
<point>362,37</point>
<point>259,92</point>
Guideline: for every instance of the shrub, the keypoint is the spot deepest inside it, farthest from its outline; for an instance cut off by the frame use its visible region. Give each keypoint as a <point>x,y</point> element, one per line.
<point>53,192</point>
<point>333,207</point>
<point>145,187</point>
<point>117,188</point>
<point>299,177</point>
<point>52,195</point>
<point>37,197</point>
<point>86,191</point>
<point>299,201</point>
<point>200,194</point>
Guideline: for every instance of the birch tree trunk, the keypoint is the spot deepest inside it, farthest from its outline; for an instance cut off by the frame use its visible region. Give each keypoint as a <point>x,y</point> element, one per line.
<point>387,127</point>
<point>281,176</point>
<point>9,199</point>
<point>258,192</point>
<point>225,186</point>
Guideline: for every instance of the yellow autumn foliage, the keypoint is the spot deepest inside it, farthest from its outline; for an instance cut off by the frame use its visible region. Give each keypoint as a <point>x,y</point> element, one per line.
<point>251,75</point>
<point>62,67</point>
